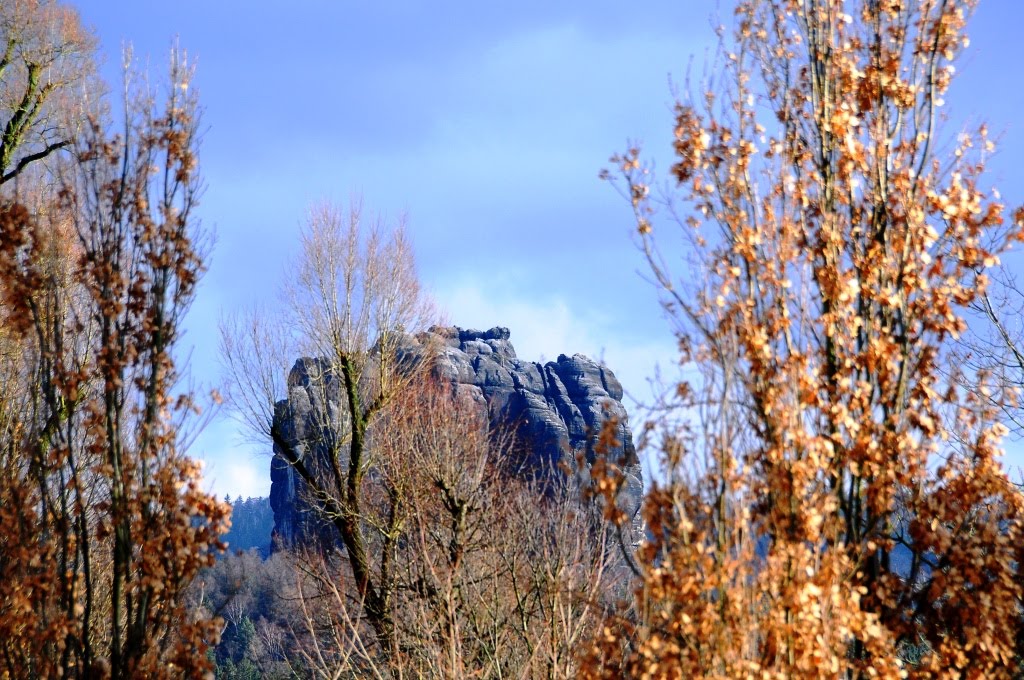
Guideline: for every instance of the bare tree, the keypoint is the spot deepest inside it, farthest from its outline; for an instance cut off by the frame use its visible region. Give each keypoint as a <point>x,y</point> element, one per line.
<point>494,576</point>
<point>994,346</point>
<point>354,296</point>
<point>45,65</point>
<point>436,560</point>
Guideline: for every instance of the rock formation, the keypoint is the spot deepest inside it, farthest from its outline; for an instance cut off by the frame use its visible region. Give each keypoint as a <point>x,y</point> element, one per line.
<point>557,410</point>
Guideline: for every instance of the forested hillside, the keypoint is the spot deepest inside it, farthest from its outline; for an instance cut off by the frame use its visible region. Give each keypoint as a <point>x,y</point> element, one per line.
<point>252,521</point>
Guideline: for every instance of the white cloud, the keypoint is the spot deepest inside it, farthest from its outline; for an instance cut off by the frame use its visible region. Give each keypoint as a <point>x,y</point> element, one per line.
<point>228,474</point>
<point>230,465</point>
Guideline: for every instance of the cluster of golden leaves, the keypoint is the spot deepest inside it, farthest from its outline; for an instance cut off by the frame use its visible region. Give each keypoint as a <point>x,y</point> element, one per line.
<point>852,518</point>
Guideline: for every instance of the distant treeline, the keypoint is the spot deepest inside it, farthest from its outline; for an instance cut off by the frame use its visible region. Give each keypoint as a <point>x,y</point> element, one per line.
<point>252,522</point>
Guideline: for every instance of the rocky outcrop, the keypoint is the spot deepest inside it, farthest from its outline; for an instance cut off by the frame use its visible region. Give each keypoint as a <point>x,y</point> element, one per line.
<point>311,411</point>
<point>556,409</point>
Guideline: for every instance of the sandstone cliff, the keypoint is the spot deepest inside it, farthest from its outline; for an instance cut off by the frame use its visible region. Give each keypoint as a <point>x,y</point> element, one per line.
<point>556,410</point>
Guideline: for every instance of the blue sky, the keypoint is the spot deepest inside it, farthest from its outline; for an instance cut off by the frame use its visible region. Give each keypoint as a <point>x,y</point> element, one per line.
<point>486,125</point>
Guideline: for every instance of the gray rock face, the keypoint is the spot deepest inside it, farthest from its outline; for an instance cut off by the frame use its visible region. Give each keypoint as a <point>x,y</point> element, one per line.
<point>556,409</point>
<point>310,413</point>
